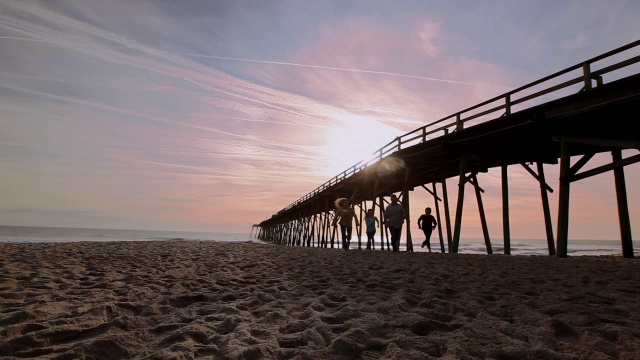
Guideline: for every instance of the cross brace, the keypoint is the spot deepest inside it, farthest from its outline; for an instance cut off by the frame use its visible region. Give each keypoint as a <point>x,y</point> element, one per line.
<point>604,168</point>
<point>431,192</point>
<point>543,184</point>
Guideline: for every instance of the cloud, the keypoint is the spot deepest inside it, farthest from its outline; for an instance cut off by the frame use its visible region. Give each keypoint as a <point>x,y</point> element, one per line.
<point>157,114</point>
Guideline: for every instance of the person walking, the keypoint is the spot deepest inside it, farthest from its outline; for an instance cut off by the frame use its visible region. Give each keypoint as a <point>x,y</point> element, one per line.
<point>427,223</point>
<point>371,221</point>
<point>345,216</point>
<point>393,219</point>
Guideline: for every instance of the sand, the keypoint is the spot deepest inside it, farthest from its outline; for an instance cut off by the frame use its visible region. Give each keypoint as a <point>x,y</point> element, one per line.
<point>187,299</point>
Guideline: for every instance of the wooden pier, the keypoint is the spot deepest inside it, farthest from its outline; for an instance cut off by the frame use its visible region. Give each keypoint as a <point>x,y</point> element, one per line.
<point>519,128</point>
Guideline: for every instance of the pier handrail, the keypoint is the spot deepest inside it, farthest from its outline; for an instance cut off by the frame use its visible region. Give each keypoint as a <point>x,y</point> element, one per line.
<point>587,77</point>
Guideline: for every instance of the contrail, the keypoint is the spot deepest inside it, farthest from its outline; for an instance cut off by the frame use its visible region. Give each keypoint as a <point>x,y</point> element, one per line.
<point>340,69</point>
<point>388,73</point>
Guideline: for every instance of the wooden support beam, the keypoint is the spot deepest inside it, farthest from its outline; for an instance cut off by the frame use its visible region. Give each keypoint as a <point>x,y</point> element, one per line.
<point>405,204</point>
<point>622,144</point>
<point>623,207</point>
<point>458,219</point>
<point>506,233</point>
<point>333,235</point>
<point>473,182</point>
<point>604,168</point>
<point>322,231</point>
<point>580,163</point>
<point>313,231</point>
<point>537,177</point>
<point>375,193</point>
<point>359,228</point>
<point>435,196</point>
<point>466,179</point>
<point>546,211</point>
<point>447,218</point>
<point>386,230</point>
<point>563,201</point>
<point>483,218</point>
<point>381,219</point>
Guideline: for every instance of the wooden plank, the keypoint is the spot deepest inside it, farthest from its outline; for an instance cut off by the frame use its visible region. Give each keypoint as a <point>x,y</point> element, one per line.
<point>623,144</point>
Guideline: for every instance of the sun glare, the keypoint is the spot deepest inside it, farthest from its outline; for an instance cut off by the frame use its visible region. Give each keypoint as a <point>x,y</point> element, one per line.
<point>355,140</point>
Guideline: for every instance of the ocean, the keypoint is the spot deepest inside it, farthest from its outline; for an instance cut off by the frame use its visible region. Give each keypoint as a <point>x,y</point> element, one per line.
<point>61,234</point>
<point>467,246</point>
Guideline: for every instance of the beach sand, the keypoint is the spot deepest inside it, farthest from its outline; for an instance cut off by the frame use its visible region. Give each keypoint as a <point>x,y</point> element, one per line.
<point>189,299</point>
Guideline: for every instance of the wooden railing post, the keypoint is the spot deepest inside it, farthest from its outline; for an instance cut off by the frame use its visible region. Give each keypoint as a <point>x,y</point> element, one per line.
<point>586,70</point>
<point>459,125</point>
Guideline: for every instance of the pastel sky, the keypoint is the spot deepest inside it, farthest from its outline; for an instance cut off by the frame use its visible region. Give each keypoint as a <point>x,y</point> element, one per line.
<point>212,115</point>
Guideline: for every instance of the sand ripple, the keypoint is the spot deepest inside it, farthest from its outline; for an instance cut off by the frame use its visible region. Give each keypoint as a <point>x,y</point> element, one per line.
<point>187,299</point>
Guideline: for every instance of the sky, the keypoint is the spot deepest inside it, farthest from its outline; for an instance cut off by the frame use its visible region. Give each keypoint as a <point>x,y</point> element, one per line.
<point>204,115</point>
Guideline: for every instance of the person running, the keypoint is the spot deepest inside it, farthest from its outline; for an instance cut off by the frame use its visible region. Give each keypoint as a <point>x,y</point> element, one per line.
<point>371,221</point>
<point>393,219</point>
<point>345,216</point>
<point>427,223</point>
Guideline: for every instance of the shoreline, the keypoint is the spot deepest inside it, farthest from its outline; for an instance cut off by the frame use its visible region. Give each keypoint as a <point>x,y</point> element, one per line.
<point>244,300</point>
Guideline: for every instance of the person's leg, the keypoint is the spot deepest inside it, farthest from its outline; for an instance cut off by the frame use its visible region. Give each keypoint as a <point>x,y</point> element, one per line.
<point>369,238</point>
<point>398,238</point>
<point>348,242</point>
<point>427,236</point>
<point>343,230</point>
<point>395,237</point>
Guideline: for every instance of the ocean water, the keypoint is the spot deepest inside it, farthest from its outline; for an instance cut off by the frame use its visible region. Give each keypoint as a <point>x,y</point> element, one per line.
<point>60,234</point>
<point>576,247</point>
<point>467,246</point>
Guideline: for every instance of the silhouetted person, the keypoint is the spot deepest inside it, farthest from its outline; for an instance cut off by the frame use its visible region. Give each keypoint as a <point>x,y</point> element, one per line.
<point>345,215</point>
<point>371,221</point>
<point>427,223</point>
<point>393,219</point>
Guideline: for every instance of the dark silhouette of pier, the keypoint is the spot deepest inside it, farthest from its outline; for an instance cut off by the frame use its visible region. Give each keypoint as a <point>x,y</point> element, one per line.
<point>572,113</point>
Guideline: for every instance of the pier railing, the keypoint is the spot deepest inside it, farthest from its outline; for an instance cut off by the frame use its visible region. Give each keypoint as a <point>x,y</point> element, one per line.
<point>502,105</point>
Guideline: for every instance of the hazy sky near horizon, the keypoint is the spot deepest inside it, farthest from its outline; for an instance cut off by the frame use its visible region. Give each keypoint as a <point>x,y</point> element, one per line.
<point>213,115</point>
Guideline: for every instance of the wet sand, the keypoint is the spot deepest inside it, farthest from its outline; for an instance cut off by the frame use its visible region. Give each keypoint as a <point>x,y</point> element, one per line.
<point>188,299</point>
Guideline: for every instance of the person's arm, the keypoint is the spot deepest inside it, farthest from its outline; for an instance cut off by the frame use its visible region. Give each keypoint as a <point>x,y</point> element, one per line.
<point>335,219</point>
<point>435,223</point>
<point>420,219</point>
<point>376,220</point>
